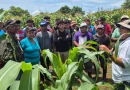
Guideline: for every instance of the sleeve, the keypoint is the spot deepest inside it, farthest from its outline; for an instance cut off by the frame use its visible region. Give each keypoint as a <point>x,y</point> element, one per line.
<point>75,37</point>
<point>124,53</point>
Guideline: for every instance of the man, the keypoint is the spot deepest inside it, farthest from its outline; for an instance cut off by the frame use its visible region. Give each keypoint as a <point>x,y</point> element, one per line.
<point>121,64</point>
<point>101,38</point>
<point>108,29</point>
<point>10,48</point>
<point>61,40</point>
<point>90,27</point>
<point>116,33</point>
<point>49,27</point>
<point>1,28</point>
<point>44,37</point>
<point>79,38</point>
<point>69,29</point>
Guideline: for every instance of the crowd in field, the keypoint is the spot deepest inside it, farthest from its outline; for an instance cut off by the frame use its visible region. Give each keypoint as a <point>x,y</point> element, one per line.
<point>28,43</point>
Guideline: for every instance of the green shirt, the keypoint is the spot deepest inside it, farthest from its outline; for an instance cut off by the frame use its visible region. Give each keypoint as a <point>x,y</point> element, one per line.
<point>116,33</point>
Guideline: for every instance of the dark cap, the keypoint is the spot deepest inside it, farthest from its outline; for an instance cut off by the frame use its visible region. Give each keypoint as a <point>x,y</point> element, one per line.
<point>43,23</point>
<point>67,21</point>
<point>11,22</point>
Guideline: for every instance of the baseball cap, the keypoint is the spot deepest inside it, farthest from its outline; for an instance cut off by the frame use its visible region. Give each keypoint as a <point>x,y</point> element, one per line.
<point>124,16</point>
<point>83,24</point>
<point>43,23</point>
<point>125,24</point>
<point>11,22</point>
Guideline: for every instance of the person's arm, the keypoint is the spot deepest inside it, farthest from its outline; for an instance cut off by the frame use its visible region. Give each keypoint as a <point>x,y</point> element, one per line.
<point>75,40</point>
<point>75,43</point>
<point>118,60</point>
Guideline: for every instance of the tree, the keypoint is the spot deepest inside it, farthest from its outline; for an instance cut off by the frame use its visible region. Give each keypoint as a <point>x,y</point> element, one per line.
<point>126,4</point>
<point>65,9</point>
<point>17,11</point>
<point>77,9</point>
<point>1,10</point>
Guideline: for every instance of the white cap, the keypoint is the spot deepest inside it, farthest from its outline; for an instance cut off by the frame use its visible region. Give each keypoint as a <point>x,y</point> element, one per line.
<point>124,16</point>
<point>83,24</point>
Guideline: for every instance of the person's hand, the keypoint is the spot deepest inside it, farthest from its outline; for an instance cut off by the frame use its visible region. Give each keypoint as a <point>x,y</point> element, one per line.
<point>104,48</point>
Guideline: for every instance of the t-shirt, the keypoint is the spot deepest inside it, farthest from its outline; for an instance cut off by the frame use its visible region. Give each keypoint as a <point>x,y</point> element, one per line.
<point>116,33</point>
<point>108,29</point>
<point>31,51</point>
<point>91,27</point>
<point>120,74</point>
<point>102,40</point>
<point>44,40</point>
<point>2,32</point>
<point>80,39</point>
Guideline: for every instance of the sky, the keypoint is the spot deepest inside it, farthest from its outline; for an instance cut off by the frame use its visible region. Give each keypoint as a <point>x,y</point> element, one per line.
<point>54,5</point>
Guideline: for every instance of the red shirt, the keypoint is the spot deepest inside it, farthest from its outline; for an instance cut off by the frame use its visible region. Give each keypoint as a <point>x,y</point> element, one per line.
<point>108,29</point>
<point>21,34</point>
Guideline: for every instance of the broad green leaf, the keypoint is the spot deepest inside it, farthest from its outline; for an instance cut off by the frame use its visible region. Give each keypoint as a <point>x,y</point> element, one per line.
<point>56,63</point>
<point>26,66</point>
<point>15,85</point>
<point>63,84</point>
<point>91,42</point>
<point>35,79</point>
<point>87,86</point>
<point>2,15</point>
<point>44,71</point>
<point>93,58</point>
<point>10,70</point>
<point>26,81</point>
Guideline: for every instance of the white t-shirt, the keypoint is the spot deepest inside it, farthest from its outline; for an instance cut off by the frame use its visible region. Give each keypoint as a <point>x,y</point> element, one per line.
<point>120,74</point>
<point>82,40</point>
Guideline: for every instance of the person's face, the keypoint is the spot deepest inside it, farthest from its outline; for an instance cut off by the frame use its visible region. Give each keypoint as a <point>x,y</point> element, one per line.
<point>30,34</point>
<point>88,22</point>
<point>67,25</point>
<point>13,29</point>
<point>1,25</point>
<point>101,22</point>
<point>44,27</point>
<point>61,26</point>
<point>83,29</point>
<point>100,31</point>
<point>30,24</point>
<point>124,30</point>
<point>97,22</point>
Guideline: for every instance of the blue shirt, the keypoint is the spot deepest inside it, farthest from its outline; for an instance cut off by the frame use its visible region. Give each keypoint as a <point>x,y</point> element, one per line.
<point>93,29</point>
<point>31,51</point>
<point>2,32</point>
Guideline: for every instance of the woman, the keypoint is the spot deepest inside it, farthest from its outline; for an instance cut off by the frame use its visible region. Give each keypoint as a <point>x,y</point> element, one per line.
<point>31,47</point>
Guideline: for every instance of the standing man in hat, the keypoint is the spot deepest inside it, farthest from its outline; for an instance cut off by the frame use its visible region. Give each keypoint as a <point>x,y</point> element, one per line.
<point>10,48</point>
<point>121,64</point>
<point>101,38</point>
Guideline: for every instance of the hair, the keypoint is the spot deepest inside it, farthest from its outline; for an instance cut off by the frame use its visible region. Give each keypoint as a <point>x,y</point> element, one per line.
<point>87,20</point>
<point>29,21</point>
<point>60,22</point>
<point>46,17</point>
<point>67,21</point>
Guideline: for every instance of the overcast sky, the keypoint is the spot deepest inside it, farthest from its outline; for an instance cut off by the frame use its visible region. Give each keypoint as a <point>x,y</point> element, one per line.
<point>54,5</point>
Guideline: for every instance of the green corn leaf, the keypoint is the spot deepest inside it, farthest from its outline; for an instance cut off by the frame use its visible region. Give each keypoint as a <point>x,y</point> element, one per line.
<point>15,85</point>
<point>35,79</point>
<point>26,81</point>
<point>10,70</point>
<point>26,66</point>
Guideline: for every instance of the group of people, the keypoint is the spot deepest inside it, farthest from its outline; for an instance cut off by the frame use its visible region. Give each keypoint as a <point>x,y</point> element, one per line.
<point>28,43</point>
